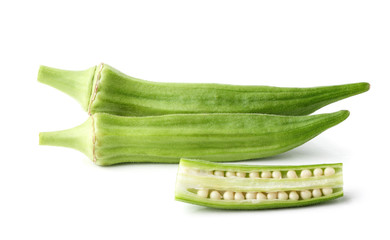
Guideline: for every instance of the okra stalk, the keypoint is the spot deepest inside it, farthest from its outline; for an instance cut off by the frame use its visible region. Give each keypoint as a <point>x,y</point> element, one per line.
<point>109,139</point>
<point>231,186</point>
<point>103,89</point>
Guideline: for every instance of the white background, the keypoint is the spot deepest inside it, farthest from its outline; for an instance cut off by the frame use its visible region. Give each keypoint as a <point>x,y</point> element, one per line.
<point>57,193</point>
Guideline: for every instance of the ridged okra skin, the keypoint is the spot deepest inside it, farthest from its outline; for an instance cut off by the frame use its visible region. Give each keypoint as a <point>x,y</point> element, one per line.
<point>110,139</point>
<point>232,186</point>
<point>103,89</point>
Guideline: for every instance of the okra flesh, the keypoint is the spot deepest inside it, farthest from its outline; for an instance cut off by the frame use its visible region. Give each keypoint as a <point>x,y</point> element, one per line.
<point>198,183</point>
<point>109,139</point>
<point>103,89</point>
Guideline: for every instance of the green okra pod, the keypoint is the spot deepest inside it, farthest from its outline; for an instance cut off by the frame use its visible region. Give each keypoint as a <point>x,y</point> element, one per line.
<point>109,139</point>
<point>235,186</point>
<point>103,89</point>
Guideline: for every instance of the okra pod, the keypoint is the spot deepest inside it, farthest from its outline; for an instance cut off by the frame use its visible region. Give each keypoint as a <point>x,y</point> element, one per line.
<point>109,139</point>
<point>231,186</point>
<point>103,89</point>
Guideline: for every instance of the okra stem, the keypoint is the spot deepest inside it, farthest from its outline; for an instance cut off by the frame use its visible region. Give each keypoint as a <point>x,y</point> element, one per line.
<point>80,138</point>
<point>77,84</point>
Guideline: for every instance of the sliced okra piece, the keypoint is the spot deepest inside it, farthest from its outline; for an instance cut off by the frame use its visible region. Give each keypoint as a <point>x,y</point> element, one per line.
<point>200,182</point>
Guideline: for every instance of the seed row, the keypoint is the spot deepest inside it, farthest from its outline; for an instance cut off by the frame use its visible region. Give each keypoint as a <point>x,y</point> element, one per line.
<point>306,173</point>
<point>290,195</point>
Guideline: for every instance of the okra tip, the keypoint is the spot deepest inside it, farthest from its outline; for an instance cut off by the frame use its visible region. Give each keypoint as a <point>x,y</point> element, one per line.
<point>363,86</point>
<point>77,84</point>
<point>335,118</point>
<point>368,85</point>
<point>344,114</point>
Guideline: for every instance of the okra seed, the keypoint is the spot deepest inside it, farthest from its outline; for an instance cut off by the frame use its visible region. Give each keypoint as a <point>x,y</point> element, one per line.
<point>327,191</point>
<point>238,196</point>
<point>271,196</point>
<point>305,173</point>
<point>317,193</point>
<point>254,175</point>
<point>261,196</point>
<point>218,173</point>
<point>228,195</point>
<point>241,174</point>
<point>292,174</point>
<point>203,193</point>
<point>215,195</point>
<point>276,174</point>
<point>329,171</point>
<point>318,172</point>
<point>266,174</point>
<point>305,194</point>
<point>230,174</point>
<point>293,195</point>
<point>250,195</point>
<point>282,196</point>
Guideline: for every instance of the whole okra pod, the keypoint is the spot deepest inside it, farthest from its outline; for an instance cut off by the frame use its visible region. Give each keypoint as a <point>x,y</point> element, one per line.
<point>109,139</point>
<point>103,89</point>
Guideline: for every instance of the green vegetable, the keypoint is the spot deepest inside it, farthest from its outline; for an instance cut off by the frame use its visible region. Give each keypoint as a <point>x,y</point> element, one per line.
<point>109,139</point>
<point>230,186</point>
<point>103,89</point>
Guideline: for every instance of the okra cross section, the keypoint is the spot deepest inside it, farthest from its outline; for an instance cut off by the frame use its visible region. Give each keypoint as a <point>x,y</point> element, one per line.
<point>228,186</point>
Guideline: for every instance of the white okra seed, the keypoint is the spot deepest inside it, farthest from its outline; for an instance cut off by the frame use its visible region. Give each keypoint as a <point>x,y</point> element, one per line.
<point>266,174</point>
<point>327,191</point>
<point>329,171</point>
<point>228,195</point>
<point>260,196</point>
<point>238,196</point>
<point>305,194</point>
<point>195,171</point>
<point>215,195</point>
<point>254,175</point>
<point>272,195</point>
<point>318,172</point>
<point>250,195</point>
<point>277,174</point>
<point>282,196</point>
<point>230,174</point>
<point>292,174</point>
<point>241,174</point>
<point>293,195</point>
<point>219,173</point>
<point>305,173</point>
<point>317,193</point>
<point>203,193</point>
